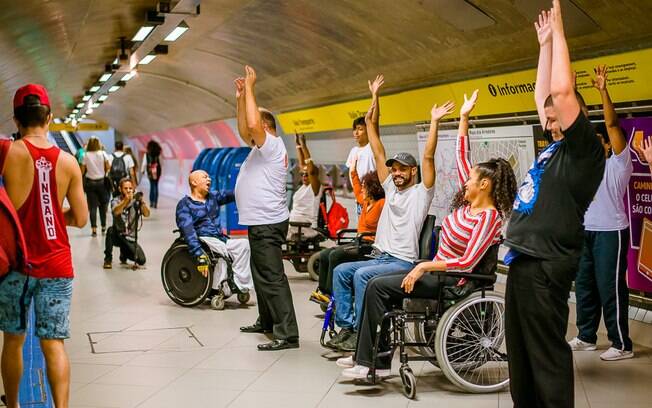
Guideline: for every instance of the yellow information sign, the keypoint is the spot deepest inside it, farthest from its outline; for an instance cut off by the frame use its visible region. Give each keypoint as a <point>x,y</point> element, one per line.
<point>499,95</point>
<point>81,127</point>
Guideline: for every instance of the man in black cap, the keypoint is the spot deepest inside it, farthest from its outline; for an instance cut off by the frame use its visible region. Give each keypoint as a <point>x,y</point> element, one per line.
<point>397,237</point>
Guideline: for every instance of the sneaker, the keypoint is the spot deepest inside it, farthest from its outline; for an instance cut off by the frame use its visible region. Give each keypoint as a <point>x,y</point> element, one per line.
<point>345,362</point>
<point>614,354</point>
<point>107,265</point>
<point>359,372</point>
<point>579,345</point>
<point>319,297</point>
<point>349,343</point>
<point>338,338</point>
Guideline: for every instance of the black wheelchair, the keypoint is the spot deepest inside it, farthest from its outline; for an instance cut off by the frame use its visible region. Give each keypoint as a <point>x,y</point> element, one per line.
<point>462,332</point>
<point>187,287</point>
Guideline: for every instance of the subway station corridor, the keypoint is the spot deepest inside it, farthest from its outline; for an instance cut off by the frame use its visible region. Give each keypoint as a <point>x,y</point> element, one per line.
<point>132,347</point>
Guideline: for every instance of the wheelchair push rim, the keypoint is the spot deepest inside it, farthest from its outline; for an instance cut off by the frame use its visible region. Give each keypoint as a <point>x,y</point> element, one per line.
<point>182,282</point>
<point>470,344</point>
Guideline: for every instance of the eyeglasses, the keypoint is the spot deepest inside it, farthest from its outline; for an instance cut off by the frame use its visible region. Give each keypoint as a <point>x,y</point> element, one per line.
<point>304,174</point>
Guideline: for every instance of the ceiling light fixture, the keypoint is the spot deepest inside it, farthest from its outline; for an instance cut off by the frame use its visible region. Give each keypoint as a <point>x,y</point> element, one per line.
<point>89,111</point>
<point>147,59</point>
<point>103,98</point>
<point>80,105</point>
<point>105,77</point>
<point>75,111</point>
<point>114,88</point>
<point>129,75</point>
<point>86,97</point>
<point>96,104</point>
<point>177,32</point>
<point>142,33</point>
<point>94,88</point>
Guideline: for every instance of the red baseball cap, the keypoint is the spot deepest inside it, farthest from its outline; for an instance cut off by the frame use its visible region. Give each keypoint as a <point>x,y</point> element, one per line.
<point>31,89</point>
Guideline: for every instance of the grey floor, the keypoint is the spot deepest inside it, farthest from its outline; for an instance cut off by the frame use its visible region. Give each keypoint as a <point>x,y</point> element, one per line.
<point>151,353</point>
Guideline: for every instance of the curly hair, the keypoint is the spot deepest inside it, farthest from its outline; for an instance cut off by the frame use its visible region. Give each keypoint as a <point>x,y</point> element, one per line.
<point>371,184</point>
<point>503,182</point>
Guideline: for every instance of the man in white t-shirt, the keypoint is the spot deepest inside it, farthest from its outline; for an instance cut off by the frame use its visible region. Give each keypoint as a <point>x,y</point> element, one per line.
<point>305,201</point>
<point>361,155</point>
<point>600,284</point>
<point>399,227</point>
<point>260,195</point>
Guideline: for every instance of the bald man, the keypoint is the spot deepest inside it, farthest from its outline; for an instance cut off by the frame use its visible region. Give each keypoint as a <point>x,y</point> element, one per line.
<point>198,219</point>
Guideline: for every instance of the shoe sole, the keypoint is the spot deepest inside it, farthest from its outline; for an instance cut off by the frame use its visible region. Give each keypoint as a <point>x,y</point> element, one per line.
<point>585,349</point>
<point>379,375</point>
<point>623,357</point>
<point>293,346</point>
<point>337,363</point>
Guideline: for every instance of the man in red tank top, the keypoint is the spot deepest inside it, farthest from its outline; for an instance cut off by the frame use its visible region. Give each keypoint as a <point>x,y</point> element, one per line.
<point>38,176</point>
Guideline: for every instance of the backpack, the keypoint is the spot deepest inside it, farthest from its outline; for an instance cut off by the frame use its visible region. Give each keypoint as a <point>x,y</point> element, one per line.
<point>118,169</point>
<point>13,250</point>
<point>336,217</point>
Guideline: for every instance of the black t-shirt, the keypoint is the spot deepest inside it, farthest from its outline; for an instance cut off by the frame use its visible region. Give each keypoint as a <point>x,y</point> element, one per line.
<point>554,230</point>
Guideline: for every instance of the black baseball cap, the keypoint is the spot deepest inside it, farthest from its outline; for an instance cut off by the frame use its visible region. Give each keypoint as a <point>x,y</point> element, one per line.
<point>405,159</point>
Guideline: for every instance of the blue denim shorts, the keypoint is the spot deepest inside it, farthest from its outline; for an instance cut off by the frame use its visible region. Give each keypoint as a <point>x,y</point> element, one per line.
<point>51,296</point>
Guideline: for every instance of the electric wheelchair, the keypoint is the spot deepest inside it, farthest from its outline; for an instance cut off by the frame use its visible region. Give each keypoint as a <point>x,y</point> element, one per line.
<point>188,287</point>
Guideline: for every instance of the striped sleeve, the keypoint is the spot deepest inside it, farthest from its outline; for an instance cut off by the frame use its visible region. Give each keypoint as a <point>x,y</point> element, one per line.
<point>463,159</point>
<point>482,237</point>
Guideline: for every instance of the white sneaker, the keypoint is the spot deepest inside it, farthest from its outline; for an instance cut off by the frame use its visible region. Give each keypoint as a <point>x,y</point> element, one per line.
<point>613,354</point>
<point>359,372</point>
<point>579,345</point>
<point>345,362</point>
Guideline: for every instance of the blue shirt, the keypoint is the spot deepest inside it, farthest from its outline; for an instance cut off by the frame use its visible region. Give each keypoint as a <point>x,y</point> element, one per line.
<point>196,219</point>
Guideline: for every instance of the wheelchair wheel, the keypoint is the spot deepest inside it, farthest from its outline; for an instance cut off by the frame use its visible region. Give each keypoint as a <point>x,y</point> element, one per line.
<point>409,382</point>
<point>299,265</point>
<point>424,331</point>
<point>313,266</point>
<point>218,303</point>
<point>470,343</point>
<point>181,280</point>
<point>243,298</point>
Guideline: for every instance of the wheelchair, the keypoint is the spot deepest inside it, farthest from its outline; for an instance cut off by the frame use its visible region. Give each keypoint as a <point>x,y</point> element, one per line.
<point>187,287</point>
<point>462,332</point>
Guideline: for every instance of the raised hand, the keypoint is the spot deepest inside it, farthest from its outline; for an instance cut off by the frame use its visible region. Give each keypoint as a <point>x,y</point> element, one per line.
<point>543,28</point>
<point>239,87</point>
<point>600,80</point>
<point>646,148</point>
<point>250,77</point>
<point>439,112</point>
<point>376,84</point>
<point>297,138</point>
<point>556,22</point>
<point>469,104</point>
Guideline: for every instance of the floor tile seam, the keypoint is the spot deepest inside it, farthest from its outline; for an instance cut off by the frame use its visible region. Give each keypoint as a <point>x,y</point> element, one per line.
<point>245,389</point>
<point>161,388</point>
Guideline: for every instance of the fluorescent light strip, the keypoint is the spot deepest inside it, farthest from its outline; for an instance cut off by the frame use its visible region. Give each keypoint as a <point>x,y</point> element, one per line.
<point>105,77</point>
<point>96,105</point>
<point>142,33</point>
<point>80,105</point>
<point>89,111</point>
<point>114,88</point>
<point>75,111</point>
<point>94,88</point>
<point>86,97</point>
<point>103,98</point>
<point>148,58</point>
<point>176,33</point>
<point>129,76</point>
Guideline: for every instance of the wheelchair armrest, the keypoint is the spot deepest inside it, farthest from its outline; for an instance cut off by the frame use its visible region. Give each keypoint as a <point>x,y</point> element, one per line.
<point>301,224</point>
<point>418,261</point>
<point>470,276</point>
<point>340,233</point>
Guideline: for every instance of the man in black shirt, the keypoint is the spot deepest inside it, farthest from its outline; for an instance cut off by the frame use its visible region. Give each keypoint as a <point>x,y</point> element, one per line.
<point>545,233</point>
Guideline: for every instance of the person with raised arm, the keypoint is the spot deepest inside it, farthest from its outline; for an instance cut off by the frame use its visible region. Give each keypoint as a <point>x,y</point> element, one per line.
<point>397,237</point>
<point>646,150</point>
<point>260,195</point>
<point>484,200</point>
<point>600,285</point>
<point>546,232</point>
<point>305,201</point>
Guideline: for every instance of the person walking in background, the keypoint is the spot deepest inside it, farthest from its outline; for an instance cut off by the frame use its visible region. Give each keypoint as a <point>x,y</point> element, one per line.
<point>152,166</point>
<point>94,168</point>
<point>600,285</point>
<point>122,165</point>
<point>129,151</point>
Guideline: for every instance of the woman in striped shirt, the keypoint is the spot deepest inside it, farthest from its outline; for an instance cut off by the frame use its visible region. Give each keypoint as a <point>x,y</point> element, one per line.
<point>487,191</point>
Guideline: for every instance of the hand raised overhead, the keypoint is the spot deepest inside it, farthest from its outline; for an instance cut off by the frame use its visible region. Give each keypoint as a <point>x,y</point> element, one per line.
<point>646,149</point>
<point>439,112</point>
<point>543,28</point>
<point>600,80</point>
<point>239,87</point>
<point>250,77</point>
<point>376,84</point>
<point>556,22</point>
<point>469,104</point>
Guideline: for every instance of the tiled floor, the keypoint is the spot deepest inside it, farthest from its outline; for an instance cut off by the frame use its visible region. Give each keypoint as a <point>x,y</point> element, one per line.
<point>182,357</point>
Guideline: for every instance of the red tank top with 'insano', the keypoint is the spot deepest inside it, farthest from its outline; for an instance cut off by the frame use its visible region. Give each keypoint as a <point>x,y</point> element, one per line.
<point>42,219</point>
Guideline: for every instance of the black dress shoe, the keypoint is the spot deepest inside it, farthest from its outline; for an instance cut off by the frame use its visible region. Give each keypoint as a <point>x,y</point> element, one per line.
<point>276,345</point>
<point>254,328</point>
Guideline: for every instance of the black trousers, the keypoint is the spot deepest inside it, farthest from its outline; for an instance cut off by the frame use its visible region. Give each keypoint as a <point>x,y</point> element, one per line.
<point>329,258</point>
<point>128,249</point>
<point>601,287</point>
<point>97,198</point>
<point>536,319</point>
<point>275,307</point>
<point>383,294</point>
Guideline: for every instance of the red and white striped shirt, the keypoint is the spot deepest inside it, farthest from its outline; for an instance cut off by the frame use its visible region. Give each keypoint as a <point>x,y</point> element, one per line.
<point>466,237</point>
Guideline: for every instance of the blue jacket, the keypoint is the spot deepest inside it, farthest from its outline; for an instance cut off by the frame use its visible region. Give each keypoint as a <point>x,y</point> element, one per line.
<point>196,219</point>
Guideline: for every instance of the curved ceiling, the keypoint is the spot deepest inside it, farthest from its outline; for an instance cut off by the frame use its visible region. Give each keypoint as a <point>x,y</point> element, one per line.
<point>306,52</point>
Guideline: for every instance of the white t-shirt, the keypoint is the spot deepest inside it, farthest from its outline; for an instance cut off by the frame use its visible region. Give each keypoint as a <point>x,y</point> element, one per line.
<point>129,162</point>
<point>365,160</point>
<point>94,162</point>
<point>401,220</point>
<point>607,210</point>
<point>304,205</point>
<point>260,190</point>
